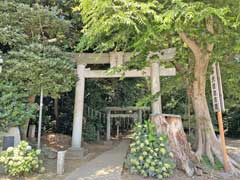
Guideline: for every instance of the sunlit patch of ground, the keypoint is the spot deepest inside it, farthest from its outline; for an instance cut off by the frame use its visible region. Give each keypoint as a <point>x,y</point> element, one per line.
<point>70,165</point>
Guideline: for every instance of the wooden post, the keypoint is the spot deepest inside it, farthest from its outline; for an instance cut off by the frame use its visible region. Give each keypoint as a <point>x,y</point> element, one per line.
<point>221,131</point>
<point>108,125</point>
<point>78,108</point>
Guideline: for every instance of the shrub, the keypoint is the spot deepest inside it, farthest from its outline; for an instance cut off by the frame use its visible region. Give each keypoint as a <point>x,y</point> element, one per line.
<point>91,128</point>
<point>14,107</point>
<point>149,154</point>
<point>21,160</point>
<point>89,132</point>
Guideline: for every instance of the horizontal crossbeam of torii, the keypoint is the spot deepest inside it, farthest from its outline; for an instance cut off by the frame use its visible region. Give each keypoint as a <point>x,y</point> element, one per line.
<point>115,59</point>
<point>128,74</point>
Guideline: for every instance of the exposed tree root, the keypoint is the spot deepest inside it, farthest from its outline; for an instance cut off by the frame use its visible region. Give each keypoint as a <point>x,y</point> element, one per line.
<point>211,147</point>
<point>234,167</point>
<point>185,159</point>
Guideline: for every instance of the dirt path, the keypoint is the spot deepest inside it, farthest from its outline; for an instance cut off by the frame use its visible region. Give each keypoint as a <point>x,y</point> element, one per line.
<point>107,166</point>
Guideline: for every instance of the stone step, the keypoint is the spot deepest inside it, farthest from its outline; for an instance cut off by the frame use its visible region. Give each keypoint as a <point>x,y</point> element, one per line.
<point>77,154</point>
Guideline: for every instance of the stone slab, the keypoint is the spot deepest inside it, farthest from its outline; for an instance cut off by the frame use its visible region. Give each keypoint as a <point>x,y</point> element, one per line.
<point>14,131</point>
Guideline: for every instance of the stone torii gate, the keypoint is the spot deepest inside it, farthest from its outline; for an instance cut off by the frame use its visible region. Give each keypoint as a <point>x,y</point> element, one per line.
<point>115,59</point>
<point>137,115</point>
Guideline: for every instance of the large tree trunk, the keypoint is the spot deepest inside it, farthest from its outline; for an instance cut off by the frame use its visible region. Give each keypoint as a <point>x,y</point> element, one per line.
<point>171,125</point>
<point>208,143</point>
<point>24,127</point>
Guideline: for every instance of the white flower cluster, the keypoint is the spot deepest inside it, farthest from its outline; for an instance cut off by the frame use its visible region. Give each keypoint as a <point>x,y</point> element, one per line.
<point>21,160</point>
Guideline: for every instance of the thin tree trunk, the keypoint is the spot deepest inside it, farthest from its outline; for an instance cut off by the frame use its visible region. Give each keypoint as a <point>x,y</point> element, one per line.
<point>24,128</point>
<point>56,112</point>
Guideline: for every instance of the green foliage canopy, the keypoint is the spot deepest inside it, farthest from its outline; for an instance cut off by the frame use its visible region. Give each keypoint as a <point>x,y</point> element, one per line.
<point>121,25</point>
<point>144,26</point>
<point>21,24</point>
<point>14,107</point>
<point>33,40</point>
<point>33,59</point>
<point>38,66</point>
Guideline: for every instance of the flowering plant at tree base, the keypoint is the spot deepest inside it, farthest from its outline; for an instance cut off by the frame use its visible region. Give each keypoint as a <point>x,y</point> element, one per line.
<point>21,160</point>
<point>149,154</point>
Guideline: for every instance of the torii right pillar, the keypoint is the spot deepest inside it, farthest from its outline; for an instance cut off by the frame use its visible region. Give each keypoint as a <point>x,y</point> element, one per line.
<point>155,58</point>
<point>170,125</point>
<point>155,87</point>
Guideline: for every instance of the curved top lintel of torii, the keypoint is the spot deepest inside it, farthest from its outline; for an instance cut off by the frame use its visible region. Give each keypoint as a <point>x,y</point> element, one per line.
<point>118,58</point>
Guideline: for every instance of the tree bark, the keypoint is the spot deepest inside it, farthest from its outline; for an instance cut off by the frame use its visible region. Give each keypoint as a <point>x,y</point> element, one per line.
<point>24,128</point>
<point>171,125</point>
<point>208,143</point>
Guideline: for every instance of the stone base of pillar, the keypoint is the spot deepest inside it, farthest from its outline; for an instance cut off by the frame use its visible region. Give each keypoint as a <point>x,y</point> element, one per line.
<point>75,153</point>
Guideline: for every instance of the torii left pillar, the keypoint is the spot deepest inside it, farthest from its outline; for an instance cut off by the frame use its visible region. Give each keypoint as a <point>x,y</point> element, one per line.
<point>77,151</point>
